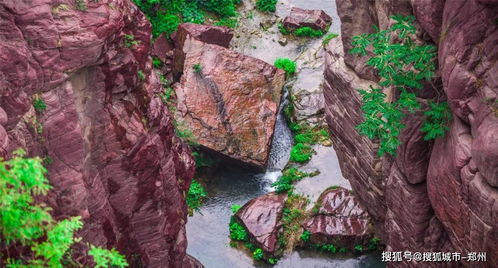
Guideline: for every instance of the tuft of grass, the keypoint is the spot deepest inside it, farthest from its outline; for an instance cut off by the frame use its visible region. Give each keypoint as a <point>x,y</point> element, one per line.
<point>308,32</point>
<point>288,65</point>
<point>257,254</point>
<point>235,208</point>
<point>39,104</point>
<point>329,37</point>
<point>288,178</point>
<point>195,197</point>
<point>141,75</point>
<point>283,30</point>
<point>197,68</point>
<point>301,153</point>
<point>305,236</point>
<point>266,5</point>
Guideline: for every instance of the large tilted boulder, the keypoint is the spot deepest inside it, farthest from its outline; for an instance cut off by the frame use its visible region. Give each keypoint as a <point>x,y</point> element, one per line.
<point>229,101</point>
<point>316,19</point>
<point>261,218</point>
<point>115,160</point>
<point>340,220</point>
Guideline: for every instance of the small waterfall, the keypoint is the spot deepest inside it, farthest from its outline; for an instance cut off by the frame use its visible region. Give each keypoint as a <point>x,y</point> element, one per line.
<point>281,145</point>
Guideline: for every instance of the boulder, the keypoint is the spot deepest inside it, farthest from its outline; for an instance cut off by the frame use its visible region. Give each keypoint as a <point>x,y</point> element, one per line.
<point>230,102</point>
<point>340,220</point>
<point>261,217</point>
<point>316,19</point>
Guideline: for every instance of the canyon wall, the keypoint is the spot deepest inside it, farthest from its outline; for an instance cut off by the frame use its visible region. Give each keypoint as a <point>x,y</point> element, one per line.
<point>437,195</point>
<point>105,135</point>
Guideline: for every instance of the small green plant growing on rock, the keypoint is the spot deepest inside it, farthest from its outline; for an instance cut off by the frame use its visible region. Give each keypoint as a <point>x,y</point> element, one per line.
<point>283,30</point>
<point>358,248</point>
<point>195,197</point>
<point>235,208</point>
<point>141,75</point>
<point>39,104</point>
<point>329,37</point>
<point>80,5</point>
<point>436,120</point>
<point>257,254</point>
<point>266,5</point>
<point>301,153</point>
<point>156,62</point>
<point>308,32</point>
<point>129,40</point>
<point>28,224</point>
<point>197,68</point>
<point>288,65</point>
<point>238,232</point>
<point>402,64</point>
<point>288,178</point>
<point>305,236</point>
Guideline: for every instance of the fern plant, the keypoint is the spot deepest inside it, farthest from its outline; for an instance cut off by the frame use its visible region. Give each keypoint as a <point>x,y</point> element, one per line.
<point>25,223</point>
<point>402,64</point>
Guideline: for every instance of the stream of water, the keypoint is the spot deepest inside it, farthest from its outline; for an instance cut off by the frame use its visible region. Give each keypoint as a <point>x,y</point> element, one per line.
<point>207,229</point>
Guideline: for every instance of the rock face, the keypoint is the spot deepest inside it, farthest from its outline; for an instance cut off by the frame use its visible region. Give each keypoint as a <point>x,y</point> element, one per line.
<point>261,218</point>
<point>438,196</point>
<point>340,220</point>
<point>316,19</point>
<point>230,102</point>
<point>115,159</point>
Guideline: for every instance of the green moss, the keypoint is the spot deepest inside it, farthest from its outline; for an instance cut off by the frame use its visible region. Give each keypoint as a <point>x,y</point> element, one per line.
<point>266,5</point>
<point>308,32</point>
<point>301,153</point>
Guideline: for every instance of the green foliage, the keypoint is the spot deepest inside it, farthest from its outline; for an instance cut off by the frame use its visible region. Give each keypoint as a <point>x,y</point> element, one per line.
<point>329,37</point>
<point>238,232</point>
<point>305,236</point>
<point>373,244</point>
<point>141,75</point>
<point>39,104</point>
<point>129,41</point>
<point>326,248</point>
<point>235,208</point>
<point>266,5</point>
<point>202,160</point>
<point>401,64</point>
<point>257,254</point>
<point>272,261</point>
<point>437,120</point>
<point>166,15</point>
<point>288,65</point>
<point>301,153</point>
<point>195,196</point>
<point>25,223</point>
<point>358,248</point>
<point>80,5</point>
<point>288,178</point>
<point>308,32</point>
<point>197,68</point>
<point>183,132</point>
<point>228,22</point>
<point>283,30</point>
<point>107,258</point>
<point>156,62</point>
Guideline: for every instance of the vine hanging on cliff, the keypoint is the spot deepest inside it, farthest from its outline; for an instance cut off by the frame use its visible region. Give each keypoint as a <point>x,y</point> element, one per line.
<point>402,64</point>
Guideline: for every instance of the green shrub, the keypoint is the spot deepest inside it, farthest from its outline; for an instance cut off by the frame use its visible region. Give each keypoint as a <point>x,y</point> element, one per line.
<point>235,208</point>
<point>266,5</point>
<point>197,68</point>
<point>305,236</point>
<point>195,196</point>
<point>283,30</point>
<point>39,104</point>
<point>301,153</point>
<point>326,248</point>
<point>238,232</point>
<point>257,254</point>
<point>402,64</point>
<point>228,22</point>
<point>24,223</point>
<point>288,178</point>
<point>308,32</point>
<point>288,65</point>
<point>156,62</point>
<point>329,37</point>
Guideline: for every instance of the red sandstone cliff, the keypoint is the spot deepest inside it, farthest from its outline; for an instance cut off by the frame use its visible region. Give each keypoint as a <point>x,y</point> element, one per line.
<point>434,196</point>
<point>115,159</point>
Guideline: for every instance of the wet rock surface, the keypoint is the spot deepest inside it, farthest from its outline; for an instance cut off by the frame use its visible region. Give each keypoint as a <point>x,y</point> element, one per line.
<point>261,217</point>
<point>339,220</point>
<point>316,19</point>
<point>432,197</point>
<point>231,104</point>
<point>115,159</point>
